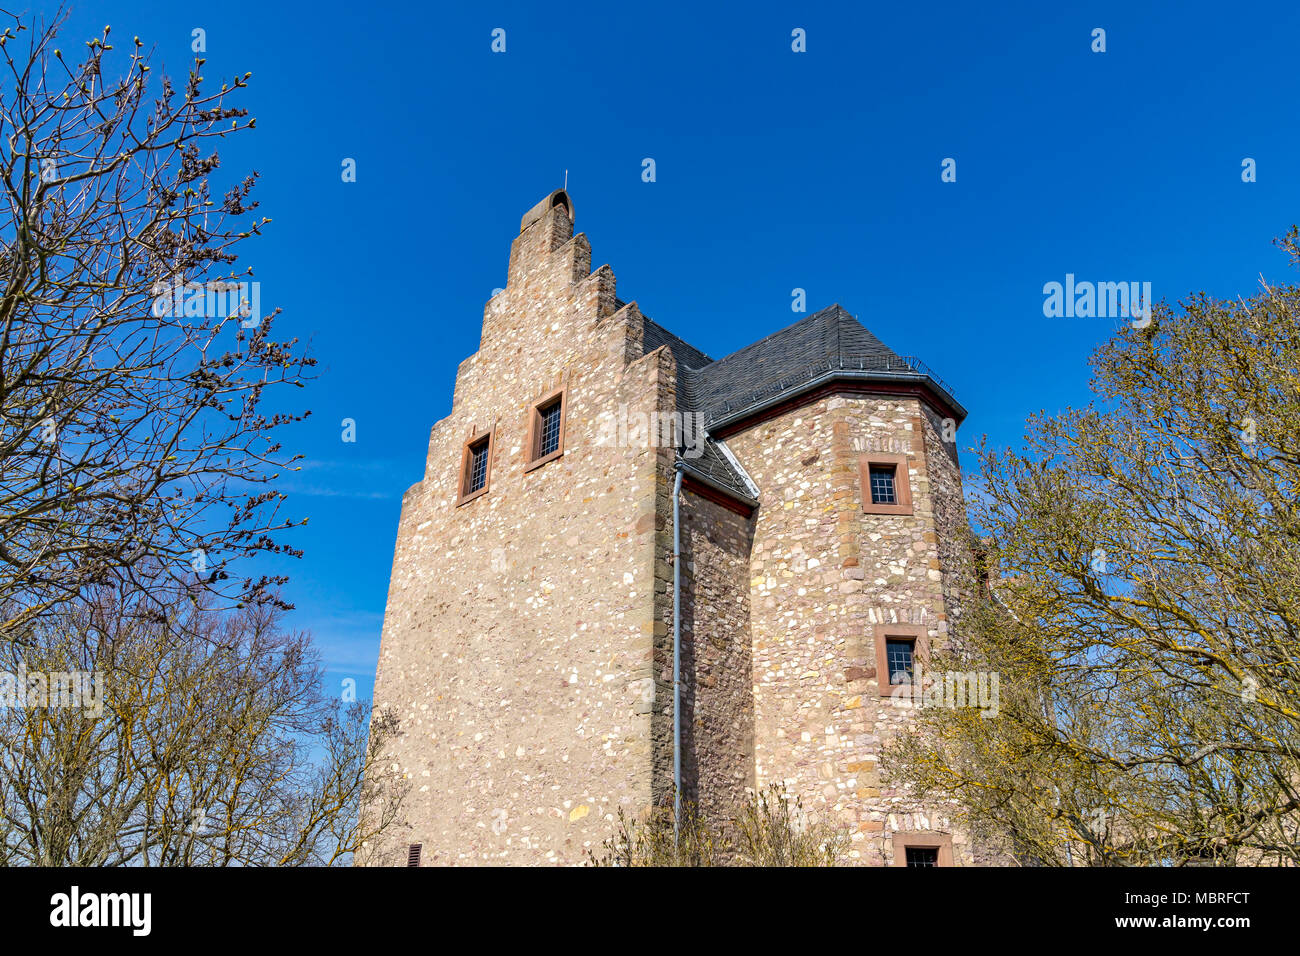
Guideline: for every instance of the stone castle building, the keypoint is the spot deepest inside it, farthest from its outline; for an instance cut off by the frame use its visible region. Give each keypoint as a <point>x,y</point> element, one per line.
<point>527,644</point>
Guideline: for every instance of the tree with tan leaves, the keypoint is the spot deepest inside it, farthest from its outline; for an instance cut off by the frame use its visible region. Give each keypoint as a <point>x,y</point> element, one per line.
<point>1142,608</point>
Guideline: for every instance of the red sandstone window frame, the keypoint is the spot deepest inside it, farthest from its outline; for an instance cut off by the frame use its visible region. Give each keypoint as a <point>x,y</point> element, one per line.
<point>462,495</point>
<point>920,639</point>
<point>902,483</point>
<point>560,395</point>
<point>922,839</point>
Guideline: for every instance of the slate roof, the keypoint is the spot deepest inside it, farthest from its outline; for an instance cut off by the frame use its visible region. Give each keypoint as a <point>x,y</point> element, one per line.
<point>826,345</point>
<point>685,353</point>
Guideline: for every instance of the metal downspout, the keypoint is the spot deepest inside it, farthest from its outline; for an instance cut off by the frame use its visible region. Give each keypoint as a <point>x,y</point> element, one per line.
<point>677,656</point>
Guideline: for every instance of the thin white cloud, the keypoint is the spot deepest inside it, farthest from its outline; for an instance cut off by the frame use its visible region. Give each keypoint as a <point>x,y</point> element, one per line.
<point>318,491</point>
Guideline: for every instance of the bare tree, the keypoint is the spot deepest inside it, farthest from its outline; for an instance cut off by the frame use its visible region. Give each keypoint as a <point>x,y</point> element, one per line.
<point>134,359</point>
<point>191,738</point>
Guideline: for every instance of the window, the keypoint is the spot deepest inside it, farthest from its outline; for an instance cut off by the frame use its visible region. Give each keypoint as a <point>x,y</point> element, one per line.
<point>898,657</point>
<point>546,430</point>
<point>923,848</point>
<point>985,567</point>
<point>550,440</point>
<point>475,467</point>
<point>478,457</point>
<point>413,854</point>
<point>901,651</point>
<point>921,855</point>
<point>886,485</point>
<point>882,485</point>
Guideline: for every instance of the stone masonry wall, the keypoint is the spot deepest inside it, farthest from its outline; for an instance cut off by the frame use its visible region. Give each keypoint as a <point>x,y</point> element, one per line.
<point>823,573</point>
<point>519,635</point>
<point>717,653</point>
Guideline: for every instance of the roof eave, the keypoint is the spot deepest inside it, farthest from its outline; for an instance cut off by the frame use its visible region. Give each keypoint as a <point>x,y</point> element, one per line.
<point>716,485</point>
<point>945,399</point>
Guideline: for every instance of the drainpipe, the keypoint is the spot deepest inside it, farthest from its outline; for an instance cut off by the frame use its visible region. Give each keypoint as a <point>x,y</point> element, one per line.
<point>677,655</point>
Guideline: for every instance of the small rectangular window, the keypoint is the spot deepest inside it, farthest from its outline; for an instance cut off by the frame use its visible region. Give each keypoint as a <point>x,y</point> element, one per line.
<point>886,484</point>
<point>901,654</point>
<point>898,655</point>
<point>546,430</point>
<point>922,855</point>
<point>475,467</point>
<point>478,455</point>
<point>550,429</point>
<point>922,848</point>
<point>882,485</point>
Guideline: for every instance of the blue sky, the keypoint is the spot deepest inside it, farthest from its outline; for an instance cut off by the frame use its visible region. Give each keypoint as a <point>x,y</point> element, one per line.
<point>774,170</point>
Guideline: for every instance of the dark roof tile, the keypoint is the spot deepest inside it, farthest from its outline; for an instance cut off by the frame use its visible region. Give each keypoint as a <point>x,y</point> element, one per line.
<point>825,342</point>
